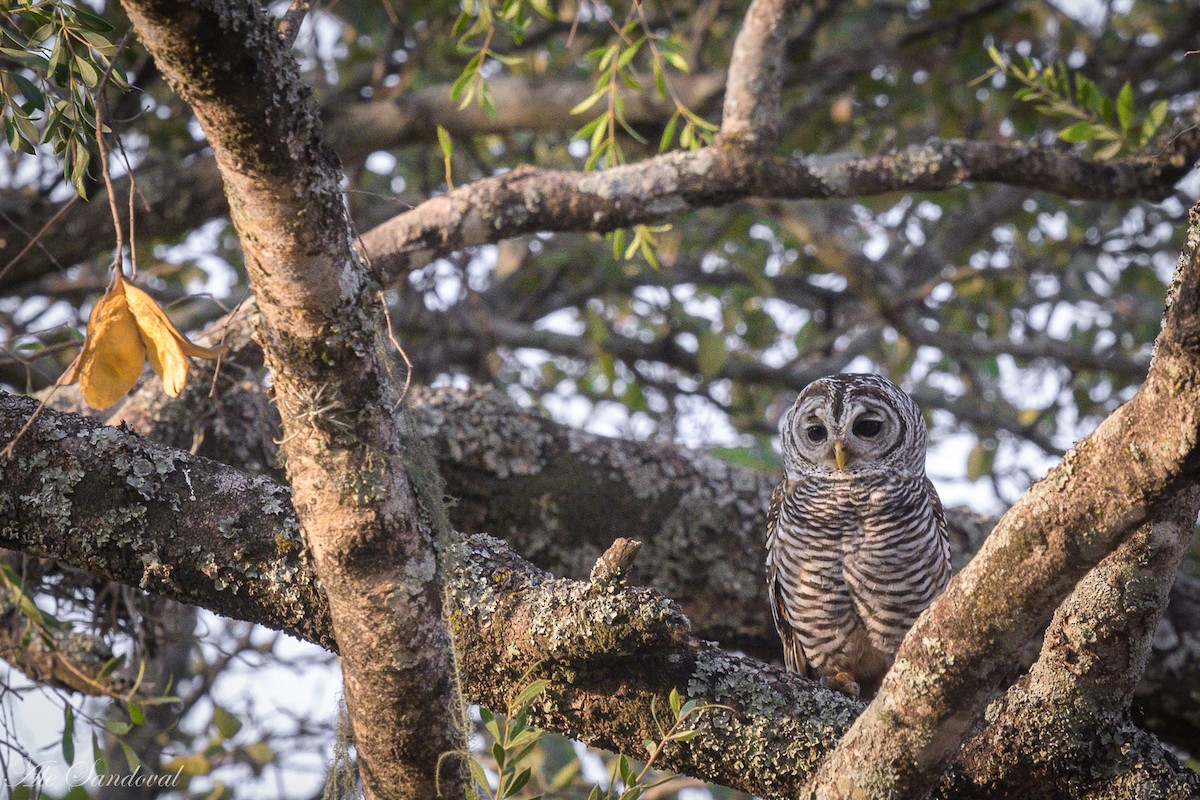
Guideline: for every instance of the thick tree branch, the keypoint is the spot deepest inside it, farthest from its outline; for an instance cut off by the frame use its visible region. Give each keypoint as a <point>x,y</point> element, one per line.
<point>1070,714</point>
<point>751,112</point>
<point>963,647</point>
<point>101,498</point>
<point>106,500</point>
<point>528,199</point>
<point>374,543</point>
<point>559,496</point>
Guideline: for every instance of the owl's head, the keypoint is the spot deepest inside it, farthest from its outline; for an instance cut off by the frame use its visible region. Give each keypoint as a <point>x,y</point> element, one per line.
<point>853,425</point>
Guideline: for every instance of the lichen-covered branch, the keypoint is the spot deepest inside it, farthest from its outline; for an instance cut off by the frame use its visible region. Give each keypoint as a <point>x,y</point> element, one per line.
<point>751,112</point>
<point>963,647</point>
<point>1070,713</point>
<point>559,496</point>
<point>106,500</point>
<point>371,521</point>
<point>530,199</point>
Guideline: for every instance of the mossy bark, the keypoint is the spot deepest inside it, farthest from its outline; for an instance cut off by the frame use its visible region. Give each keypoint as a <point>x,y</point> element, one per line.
<point>374,539</point>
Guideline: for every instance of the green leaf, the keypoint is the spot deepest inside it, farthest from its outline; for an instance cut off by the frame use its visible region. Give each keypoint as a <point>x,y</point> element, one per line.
<point>117,726</point>
<point>606,59</point>
<point>1090,96</point>
<point>131,758</point>
<point>136,715</point>
<point>111,665</point>
<point>68,734</point>
<point>92,21</point>
<point>627,55</point>
<point>445,141</point>
<point>530,693</point>
<point>599,134</point>
<point>588,103</point>
<point>258,754</point>
<point>668,136</point>
<point>460,83</point>
<point>1154,120</point>
<point>33,60</point>
<point>32,94</point>
<point>1081,131</point>
<point>478,773</point>
<point>98,758</point>
<point>485,100</point>
<point>675,700</point>
<point>87,72</point>
<point>677,61</point>
<point>625,770</point>
<point>226,723</point>
<point>518,782</point>
<point>498,753</point>
<point>1109,151</point>
<point>1125,106</point>
<point>618,242</point>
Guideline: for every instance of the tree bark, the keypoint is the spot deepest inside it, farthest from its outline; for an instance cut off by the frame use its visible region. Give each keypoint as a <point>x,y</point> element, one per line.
<point>108,501</point>
<point>1064,728</point>
<point>374,543</point>
<point>558,496</point>
<point>964,645</point>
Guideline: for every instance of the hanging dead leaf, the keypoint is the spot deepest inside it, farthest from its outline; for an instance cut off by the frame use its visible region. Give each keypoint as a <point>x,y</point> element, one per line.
<point>167,347</point>
<point>113,353</point>
<point>125,326</point>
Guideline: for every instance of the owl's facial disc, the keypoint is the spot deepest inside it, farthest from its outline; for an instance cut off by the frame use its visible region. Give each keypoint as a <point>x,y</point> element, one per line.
<point>850,437</point>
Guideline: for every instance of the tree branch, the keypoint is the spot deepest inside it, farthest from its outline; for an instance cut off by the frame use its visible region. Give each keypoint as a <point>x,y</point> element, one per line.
<point>106,500</point>
<point>962,648</point>
<point>528,200</point>
<point>374,542</point>
<point>558,496</point>
<point>1071,712</point>
<point>751,112</point>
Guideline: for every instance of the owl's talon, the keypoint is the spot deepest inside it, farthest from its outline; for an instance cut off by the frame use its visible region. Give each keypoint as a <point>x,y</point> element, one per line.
<point>842,682</point>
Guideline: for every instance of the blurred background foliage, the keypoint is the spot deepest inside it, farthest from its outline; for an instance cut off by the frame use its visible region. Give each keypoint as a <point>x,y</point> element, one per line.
<point>1017,319</point>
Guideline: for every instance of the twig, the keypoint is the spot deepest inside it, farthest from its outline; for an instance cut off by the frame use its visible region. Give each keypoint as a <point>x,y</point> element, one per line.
<point>392,338</point>
<point>38,236</point>
<point>293,18</point>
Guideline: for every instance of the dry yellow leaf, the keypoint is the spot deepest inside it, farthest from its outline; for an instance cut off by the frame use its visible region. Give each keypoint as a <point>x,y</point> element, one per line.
<point>125,326</point>
<point>167,347</point>
<point>113,353</point>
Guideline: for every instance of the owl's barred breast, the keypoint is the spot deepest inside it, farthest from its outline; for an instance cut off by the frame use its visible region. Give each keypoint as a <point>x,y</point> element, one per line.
<point>857,560</point>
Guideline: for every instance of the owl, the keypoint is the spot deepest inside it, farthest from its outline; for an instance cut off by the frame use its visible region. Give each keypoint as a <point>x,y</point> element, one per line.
<point>856,536</point>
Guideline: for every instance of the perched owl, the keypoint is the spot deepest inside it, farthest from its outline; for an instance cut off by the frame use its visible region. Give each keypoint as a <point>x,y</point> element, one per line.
<point>856,537</point>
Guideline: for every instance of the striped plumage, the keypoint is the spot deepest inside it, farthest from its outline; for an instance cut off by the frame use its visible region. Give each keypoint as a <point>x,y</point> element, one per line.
<point>856,539</point>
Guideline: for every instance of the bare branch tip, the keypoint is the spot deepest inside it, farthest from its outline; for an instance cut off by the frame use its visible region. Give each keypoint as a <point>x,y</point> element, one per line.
<point>614,564</point>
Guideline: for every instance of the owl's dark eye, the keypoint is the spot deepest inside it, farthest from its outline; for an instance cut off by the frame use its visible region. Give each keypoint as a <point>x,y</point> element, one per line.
<point>867,428</point>
<point>816,433</point>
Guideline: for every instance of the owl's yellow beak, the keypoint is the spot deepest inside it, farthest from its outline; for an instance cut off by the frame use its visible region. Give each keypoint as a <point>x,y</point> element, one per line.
<point>839,454</point>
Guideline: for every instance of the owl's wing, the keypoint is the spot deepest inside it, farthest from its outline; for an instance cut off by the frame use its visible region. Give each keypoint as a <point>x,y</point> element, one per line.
<point>939,519</point>
<point>793,652</point>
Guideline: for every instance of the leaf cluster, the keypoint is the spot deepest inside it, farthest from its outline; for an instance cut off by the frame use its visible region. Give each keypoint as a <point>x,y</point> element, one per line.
<point>1111,126</point>
<point>60,55</point>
